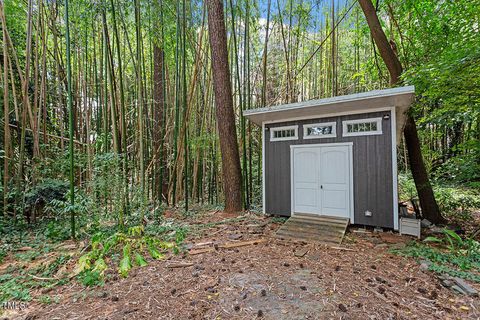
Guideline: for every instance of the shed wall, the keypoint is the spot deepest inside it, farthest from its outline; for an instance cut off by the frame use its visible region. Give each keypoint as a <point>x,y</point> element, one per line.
<point>372,169</point>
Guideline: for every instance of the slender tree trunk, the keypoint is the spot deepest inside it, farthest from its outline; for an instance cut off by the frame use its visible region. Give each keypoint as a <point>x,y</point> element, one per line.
<point>71,120</point>
<point>125,198</point>
<point>6,115</point>
<point>232,177</point>
<point>420,176</point>
<point>141,157</point>
<point>184,102</point>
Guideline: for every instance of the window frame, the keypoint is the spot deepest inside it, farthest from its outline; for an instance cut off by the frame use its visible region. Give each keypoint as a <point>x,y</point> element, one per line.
<point>345,124</point>
<point>273,129</point>
<point>322,124</point>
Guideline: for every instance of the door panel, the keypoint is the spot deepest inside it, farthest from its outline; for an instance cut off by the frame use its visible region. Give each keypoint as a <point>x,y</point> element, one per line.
<point>306,180</point>
<point>335,181</point>
<point>322,180</point>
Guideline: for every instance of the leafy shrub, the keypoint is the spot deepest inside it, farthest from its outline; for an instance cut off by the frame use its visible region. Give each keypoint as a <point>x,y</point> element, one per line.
<point>91,278</point>
<point>463,168</point>
<point>450,199</point>
<point>406,187</point>
<point>131,244</point>
<point>43,193</point>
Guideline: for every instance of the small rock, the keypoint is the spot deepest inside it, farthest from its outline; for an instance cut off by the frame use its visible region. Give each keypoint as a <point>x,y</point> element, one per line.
<point>373,267</point>
<point>458,289</point>
<point>103,294</point>
<point>263,293</point>
<point>244,296</point>
<point>115,298</point>
<point>337,268</point>
<point>433,295</point>
<point>303,288</point>
<point>425,223</point>
<point>378,229</point>
<point>173,291</point>
<point>236,308</point>
<point>465,287</point>
<point>342,307</point>
<point>286,264</point>
<point>259,314</point>
<point>381,245</point>
<point>447,283</point>
<point>300,252</point>
<point>381,290</point>
<point>425,265</point>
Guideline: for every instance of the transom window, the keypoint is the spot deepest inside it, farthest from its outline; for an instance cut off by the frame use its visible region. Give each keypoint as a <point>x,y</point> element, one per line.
<point>362,127</point>
<point>320,130</point>
<point>284,133</point>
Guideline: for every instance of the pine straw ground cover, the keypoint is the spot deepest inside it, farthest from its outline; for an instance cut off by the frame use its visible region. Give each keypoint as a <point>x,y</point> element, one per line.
<point>267,280</point>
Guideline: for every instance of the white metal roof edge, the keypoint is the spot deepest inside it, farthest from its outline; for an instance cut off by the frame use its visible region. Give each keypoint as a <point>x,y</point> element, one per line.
<point>338,99</point>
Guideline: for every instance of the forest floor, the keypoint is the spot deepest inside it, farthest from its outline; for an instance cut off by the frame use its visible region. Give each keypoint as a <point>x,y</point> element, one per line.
<point>272,279</point>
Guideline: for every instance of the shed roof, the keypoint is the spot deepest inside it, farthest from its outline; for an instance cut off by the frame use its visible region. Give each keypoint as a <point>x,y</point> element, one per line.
<point>400,98</point>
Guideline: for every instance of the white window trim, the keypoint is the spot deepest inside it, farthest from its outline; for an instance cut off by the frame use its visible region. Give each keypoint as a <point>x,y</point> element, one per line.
<point>321,124</point>
<point>365,133</point>
<point>295,137</point>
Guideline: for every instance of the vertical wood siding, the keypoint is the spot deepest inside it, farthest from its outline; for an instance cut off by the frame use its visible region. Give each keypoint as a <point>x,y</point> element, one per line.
<point>372,169</point>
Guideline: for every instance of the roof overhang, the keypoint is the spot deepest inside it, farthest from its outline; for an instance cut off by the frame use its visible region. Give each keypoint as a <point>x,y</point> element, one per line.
<point>401,98</point>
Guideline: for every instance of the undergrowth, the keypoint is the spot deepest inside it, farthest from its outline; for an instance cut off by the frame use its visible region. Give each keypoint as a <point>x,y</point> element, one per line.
<point>452,255</point>
<point>126,249</point>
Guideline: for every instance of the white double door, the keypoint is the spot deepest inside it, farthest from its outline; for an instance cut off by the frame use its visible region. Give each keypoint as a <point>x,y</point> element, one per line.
<point>322,179</point>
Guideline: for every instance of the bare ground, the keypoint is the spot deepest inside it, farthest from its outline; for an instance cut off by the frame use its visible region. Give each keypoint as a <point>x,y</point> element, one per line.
<point>270,280</point>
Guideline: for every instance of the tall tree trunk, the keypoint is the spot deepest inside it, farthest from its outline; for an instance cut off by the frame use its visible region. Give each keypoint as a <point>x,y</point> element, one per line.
<point>159,108</point>
<point>70,120</point>
<point>419,172</point>
<point>159,102</point>
<point>6,116</point>
<point>232,177</point>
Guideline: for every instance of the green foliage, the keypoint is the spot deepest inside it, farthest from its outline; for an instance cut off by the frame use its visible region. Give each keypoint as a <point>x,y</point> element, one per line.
<point>132,244</point>
<point>457,201</point>
<point>13,289</point>
<point>453,200</point>
<point>279,219</point>
<point>406,187</point>
<point>91,278</point>
<point>455,256</point>
<point>452,241</point>
<point>45,192</point>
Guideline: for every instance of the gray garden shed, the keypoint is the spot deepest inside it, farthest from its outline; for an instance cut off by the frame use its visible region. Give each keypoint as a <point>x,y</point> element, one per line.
<point>334,157</point>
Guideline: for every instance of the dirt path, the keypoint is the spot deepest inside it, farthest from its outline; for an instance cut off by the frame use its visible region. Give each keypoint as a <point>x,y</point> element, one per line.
<point>269,281</point>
